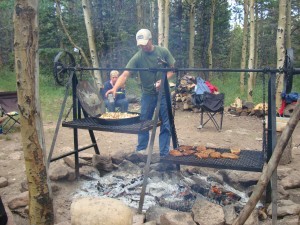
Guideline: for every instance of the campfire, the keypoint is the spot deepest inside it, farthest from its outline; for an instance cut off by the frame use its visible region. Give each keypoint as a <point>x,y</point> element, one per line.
<point>166,187</point>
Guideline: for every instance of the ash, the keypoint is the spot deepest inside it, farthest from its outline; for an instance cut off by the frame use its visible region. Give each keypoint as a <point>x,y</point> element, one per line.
<point>169,188</point>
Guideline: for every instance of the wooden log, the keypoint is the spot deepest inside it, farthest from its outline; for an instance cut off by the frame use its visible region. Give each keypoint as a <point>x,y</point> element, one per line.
<point>269,168</point>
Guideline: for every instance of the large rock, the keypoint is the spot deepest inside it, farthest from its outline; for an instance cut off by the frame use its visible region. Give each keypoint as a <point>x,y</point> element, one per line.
<point>18,201</point>
<point>154,213</point>
<point>104,211</point>
<point>3,182</point>
<point>239,179</point>
<point>291,181</point>
<point>285,208</point>
<point>208,213</point>
<point>176,218</point>
<point>103,163</point>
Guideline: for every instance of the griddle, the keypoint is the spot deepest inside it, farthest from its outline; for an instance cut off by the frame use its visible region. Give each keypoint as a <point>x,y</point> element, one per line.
<point>249,160</point>
<point>91,123</point>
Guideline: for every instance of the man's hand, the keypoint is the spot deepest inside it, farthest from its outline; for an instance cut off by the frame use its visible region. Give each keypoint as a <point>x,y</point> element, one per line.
<point>157,85</point>
<point>111,91</point>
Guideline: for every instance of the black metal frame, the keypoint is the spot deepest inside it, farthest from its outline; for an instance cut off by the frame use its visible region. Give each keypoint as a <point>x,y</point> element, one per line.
<point>258,157</point>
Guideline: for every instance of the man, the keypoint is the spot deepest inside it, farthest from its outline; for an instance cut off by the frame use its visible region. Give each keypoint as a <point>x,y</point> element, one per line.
<point>120,100</point>
<point>150,56</point>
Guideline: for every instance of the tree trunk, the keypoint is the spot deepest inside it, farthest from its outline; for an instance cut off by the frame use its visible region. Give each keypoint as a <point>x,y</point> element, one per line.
<point>288,24</point>
<point>140,17</point>
<point>256,51</point>
<point>166,23</point>
<point>27,73</point>
<point>152,13</point>
<point>58,11</point>
<point>280,45</point>
<point>211,37</point>
<point>160,22</point>
<point>244,47</point>
<point>270,167</point>
<point>192,33</point>
<point>93,52</point>
<point>251,52</point>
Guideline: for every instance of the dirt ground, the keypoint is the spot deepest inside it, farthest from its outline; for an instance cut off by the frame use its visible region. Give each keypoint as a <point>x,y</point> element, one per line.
<point>245,132</point>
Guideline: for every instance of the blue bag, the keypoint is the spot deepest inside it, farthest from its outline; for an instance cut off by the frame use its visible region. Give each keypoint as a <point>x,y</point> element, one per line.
<point>201,87</point>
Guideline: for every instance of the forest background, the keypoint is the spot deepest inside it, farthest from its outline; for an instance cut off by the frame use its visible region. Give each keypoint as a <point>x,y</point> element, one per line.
<point>114,25</point>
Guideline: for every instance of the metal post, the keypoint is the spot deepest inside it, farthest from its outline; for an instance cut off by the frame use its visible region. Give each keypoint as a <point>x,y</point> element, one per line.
<point>272,187</point>
<point>75,130</point>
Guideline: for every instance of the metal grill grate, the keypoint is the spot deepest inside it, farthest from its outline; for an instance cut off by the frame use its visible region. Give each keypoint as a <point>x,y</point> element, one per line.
<point>249,160</point>
<point>93,124</point>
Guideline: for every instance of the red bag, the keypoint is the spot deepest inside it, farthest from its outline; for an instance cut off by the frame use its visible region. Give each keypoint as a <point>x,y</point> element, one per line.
<point>211,87</point>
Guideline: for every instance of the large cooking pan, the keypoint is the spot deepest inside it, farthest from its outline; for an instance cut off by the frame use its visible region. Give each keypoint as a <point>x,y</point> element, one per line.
<point>118,122</point>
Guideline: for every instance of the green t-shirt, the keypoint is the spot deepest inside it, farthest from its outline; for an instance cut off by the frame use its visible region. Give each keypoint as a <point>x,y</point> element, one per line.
<point>150,60</point>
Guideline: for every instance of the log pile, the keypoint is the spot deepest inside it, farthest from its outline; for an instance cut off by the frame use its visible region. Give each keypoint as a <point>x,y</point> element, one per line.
<point>244,108</point>
<point>183,100</point>
<point>183,94</point>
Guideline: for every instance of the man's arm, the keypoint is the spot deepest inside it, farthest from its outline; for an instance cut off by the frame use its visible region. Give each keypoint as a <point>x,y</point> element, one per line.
<point>120,83</point>
<point>170,73</point>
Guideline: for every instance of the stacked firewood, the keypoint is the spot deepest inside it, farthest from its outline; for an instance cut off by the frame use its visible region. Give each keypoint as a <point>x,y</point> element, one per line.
<point>243,108</point>
<point>183,94</point>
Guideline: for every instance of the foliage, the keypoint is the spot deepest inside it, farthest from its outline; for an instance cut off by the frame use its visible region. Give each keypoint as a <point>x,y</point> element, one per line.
<point>115,26</point>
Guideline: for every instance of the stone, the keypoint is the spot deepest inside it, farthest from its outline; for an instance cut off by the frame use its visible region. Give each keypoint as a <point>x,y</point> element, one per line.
<point>291,181</point>
<point>61,172</point>
<point>118,157</point>
<point>285,208</point>
<point>3,182</point>
<point>154,213</point>
<point>70,161</point>
<point>283,171</point>
<point>138,219</point>
<point>208,213</point>
<point>18,201</point>
<point>229,213</point>
<point>152,222</point>
<point>86,156</point>
<point>104,211</point>
<point>176,218</point>
<point>63,223</point>
<point>239,179</point>
<point>290,220</point>
<point>102,163</point>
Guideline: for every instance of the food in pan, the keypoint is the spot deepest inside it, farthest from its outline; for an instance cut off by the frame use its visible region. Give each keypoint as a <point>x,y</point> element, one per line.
<point>228,155</point>
<point>118,115</point>
<point>188,152</point>
<point>209,150</point>
<point>202,155</point>
<point>235,150</point>
<point>201,148</point>
<point>175,152</point>
<point>215,155</point>
<point>185,147</point>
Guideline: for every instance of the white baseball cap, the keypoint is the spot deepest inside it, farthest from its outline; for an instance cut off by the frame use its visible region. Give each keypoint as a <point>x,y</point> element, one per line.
<point>143,36</point>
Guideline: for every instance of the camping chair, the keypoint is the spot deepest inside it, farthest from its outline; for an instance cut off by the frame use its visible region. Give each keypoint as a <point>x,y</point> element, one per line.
<point>210,104</point>
<point>9,109</point>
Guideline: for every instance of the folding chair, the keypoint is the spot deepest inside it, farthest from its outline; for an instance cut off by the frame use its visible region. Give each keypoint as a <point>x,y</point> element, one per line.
<point>9,109</point>
<point>210,104</point>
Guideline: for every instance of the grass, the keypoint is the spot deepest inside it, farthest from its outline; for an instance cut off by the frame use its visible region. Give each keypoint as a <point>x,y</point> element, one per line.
<point>51,95</point>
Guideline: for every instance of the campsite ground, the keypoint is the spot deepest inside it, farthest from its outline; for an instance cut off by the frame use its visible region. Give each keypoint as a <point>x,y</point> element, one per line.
<point>245,132</point>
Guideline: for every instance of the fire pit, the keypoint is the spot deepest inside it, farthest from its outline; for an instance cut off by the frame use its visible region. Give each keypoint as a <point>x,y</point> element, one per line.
<point>168,188</point>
